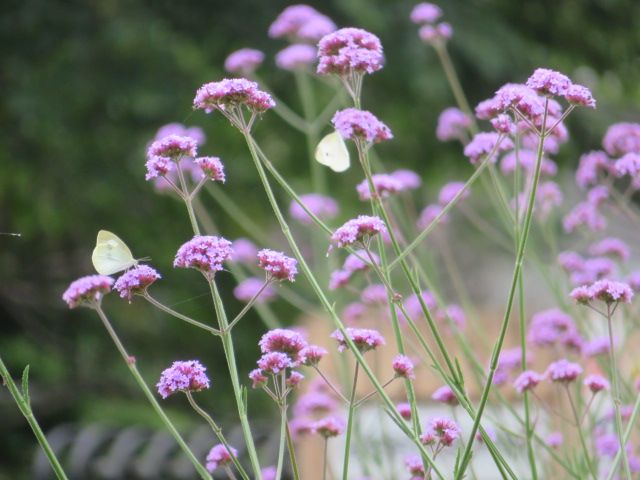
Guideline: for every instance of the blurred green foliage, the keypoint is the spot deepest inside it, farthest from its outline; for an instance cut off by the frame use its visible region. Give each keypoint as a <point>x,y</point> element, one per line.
<point>85,85</point>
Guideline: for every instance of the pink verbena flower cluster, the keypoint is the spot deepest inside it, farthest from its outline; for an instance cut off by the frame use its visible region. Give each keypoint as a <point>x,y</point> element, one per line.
<point>231,93</point>
<point>364,339</point>
<point>219,456</point>
<point>301,23</point>
<point>360,125</point>
<point>357,230</point>
<point>183,376</point>
<point>349,51</point>
<point>277,265</point>
<point>204,253</point>
<point>244,61</point>
<point>136,281</point>
<point>322,206</point>
<point>607,291</point>
<point>87,290</point>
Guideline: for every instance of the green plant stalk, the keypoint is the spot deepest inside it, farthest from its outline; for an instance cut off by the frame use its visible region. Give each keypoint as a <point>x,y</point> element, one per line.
<point>188,201</point>
<point>24,405</point>
<point>145,389</point>
<point>523,322</point>
<point>583,442</point>
<point>627,434</point>
<point>303,84</point>
<point>227,344</point>
<point>217,431</point>
<point>292,454</point>
<point>283,425</point>
<point>350,418</point>
<point>615,390</point>
<point>391,410</point>
<point>179,315</point>
<point>512,290</point>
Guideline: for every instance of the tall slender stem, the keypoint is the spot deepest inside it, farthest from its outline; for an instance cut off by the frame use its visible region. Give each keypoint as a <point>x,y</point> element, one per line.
<point>147,392</point>
<point>179,315</point>
<point>292,454</point>
<point>227,345</point>
<point>283,424</point>
<point>324,459</point>
<point>25,408</point>
<point>583,442</point>
<point>615,390</point>
<point>218,433</point>
<point>350,418</point>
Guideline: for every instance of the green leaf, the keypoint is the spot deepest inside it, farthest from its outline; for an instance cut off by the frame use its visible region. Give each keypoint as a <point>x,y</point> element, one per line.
<point>25,385</point>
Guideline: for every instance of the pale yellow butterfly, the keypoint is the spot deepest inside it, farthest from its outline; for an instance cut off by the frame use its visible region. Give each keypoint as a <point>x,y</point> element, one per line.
<point>332,152</point>
<point>111,254</point>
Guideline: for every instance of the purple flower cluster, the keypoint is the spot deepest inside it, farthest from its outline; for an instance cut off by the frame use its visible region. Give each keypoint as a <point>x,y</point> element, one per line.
<point>527,380</point>
<point>440,431</point>
<point>277,265</point>
<point>244,61</point>
<point>285,341</point>
<point>596,383</point>
<point>135,281</point>
<point>445,395</point>
<point>425,13</point>
<point>607,291</point>
<point>244,251</point>
<point>622,138</point>
<point>183,376</point>
<point>328,427</point>
<point>204,253</point>
<point>301,23</point>
<point>167,150</point>
<point>403,367</point>
<point>384,184</point>
<point>363,338</point>
<point>483,144</point>
<point>435,33</point>
<point>551,327</point>
<point>230,93</point>
<point>360,125</point>
<point>322,206</point>
<point>355,262</point>
<point>453,124</point>
<point>611,246</point>
<point>357,230</point>
<point>212,168</point>
<point>563,371</point>
<point>592,168</point>
<point>348,51</point>
<point>87,290</point>
<point>449,191</point>
<point>219,456</point>
<point>409,180</point>
<point>298,55</point>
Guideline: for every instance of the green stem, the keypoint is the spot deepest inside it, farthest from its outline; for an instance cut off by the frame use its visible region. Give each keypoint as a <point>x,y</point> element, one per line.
<point>182,317</point>
<point>283,425</point>
<point>318,176</point>
<point>218,433</point>
<point>324,459</point>
<point>130,361</point>
<point>249,304</point>
<point>512,290</point>
<point>627,434</point>
<point>615,390</point>
<point>292,455</point>
<point>25,408</point>
<point>583,442</point>
<point>229,353</point>
<point>188,201</point>
<point>350,418</point>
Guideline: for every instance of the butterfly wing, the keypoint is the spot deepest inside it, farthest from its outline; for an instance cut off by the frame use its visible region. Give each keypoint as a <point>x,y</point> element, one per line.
<point>111,254</point>
<point>332,152</point>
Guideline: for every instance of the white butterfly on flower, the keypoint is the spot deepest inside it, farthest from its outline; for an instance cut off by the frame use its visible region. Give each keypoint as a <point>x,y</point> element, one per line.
<point>111,254</point>
<point>332,152</point>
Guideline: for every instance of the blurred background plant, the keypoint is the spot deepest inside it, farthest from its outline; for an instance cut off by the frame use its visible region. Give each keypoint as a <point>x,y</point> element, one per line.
<point>86,86</point>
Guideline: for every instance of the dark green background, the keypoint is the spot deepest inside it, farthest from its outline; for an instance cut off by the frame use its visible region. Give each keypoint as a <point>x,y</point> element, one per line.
<point>85,85</point>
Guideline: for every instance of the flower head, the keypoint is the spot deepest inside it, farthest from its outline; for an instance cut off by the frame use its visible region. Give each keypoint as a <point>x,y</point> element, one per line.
<point>435,33</point>
<point>258,378</point>
<point>414,465</point>
<point>219,456</point>
<point>356,230</point>
<point>173,147</point>
<point>356,125</point>
<point>232,92</point>
<point>135,281</point>
<point>296,56</point>
<point>204,253</point>
<point>527,380</point>
<point>580,95</point>
<point>403,367</point>
<point>611,246</point>
<point>605,290</point>
<point>349,50</point>
<point>483,144</point>
<point>622,138</point>
<point>284,341</point>
<point>301,22</point>
<point>592,167</point>
<point>554,439</point>
<point>596,383</point>
<point>322,206</point>
<point>384,185</point>
<point>244,61</point>
<point>274,362</point>
<point>244,250</point>
<point>359,261</point>
<point>212,168</point>
<point>328,427</point>
<point>449,191</point>
<point>425,12</point>
<point>549,82</point>
<point>428,216</point>
<point>444,394</point>
<point>277,265</point>
<point>363,338</point>
<point>404,409</point>
<point>445,430</point>
<point>87,290</point>
<point>563,371</point>
<point>453,124</point>
<point>409,180</point>
<point>183,376</point>
<point>312,354</point>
